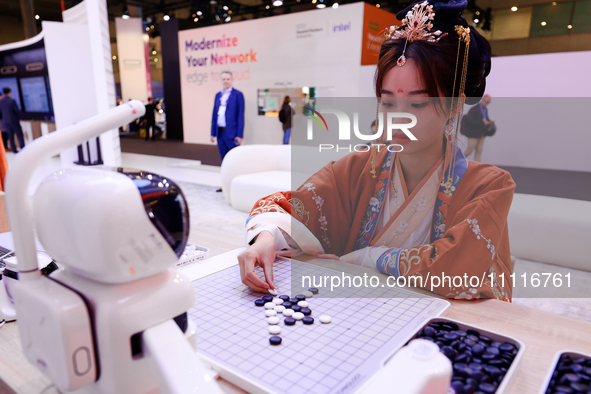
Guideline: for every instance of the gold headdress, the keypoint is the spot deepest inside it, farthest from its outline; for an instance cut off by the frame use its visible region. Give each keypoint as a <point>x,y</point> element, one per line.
<point>416,26</point>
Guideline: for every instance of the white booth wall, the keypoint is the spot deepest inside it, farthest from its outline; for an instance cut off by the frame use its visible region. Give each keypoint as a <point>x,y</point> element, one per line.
<point>292,51</point>
<point>537,133</point>
<point>540,122</point>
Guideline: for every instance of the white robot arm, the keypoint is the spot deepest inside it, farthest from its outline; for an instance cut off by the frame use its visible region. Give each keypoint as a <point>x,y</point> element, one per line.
<point>98,325</point>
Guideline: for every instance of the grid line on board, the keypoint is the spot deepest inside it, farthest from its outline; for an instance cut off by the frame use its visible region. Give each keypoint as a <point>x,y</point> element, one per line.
<point>315,358</point>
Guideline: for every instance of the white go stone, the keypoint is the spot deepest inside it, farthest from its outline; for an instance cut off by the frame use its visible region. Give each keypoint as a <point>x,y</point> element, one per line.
<point>277,301</point>
<point>308,294</point>
<point>273,320</point>
<point>325,319</point>
<point>269,305</point>
<point>279,308</point>
<point>270,312</point>
<point>274,330</point>
<point>288,312</point>
<point>298,315</point>
<point>273,292</point>
<point>304,304</point>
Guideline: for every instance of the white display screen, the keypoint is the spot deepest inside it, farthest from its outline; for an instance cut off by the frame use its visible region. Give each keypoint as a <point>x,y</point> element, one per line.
<point>13,86</point>
<point>34,94</point>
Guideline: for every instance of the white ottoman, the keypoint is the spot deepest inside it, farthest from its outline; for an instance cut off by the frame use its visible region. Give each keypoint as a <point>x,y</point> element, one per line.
<point>551,230</point>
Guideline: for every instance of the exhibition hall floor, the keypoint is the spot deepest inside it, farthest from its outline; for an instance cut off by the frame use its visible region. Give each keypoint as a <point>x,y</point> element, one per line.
<point>220,228</point>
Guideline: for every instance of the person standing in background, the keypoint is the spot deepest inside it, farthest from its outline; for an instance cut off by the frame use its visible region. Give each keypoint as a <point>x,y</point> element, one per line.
<point>285,118</point>
<point>4,134</point>
<point>150,119</point>
<point>10,120</point>
<point>227,123</point>
<point>476,125</point>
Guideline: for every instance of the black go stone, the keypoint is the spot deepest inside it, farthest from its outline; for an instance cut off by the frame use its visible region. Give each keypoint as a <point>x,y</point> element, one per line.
<point>429,331</point>
<point>259,302</point>
<point>449,352</point>
<point>268,298</point>
<point>296,308</point>
<point>308,320</point>
<point>287,304</point>
<point>478,349</point>
<point>493,350</point>
<point>294,300</point>
<point>487,388</point>
<point>284,297</point>
<point>275,340</point>
<point>289,321</point>
<point>306,311</point>
<point>300,297</point>
<point>313,290</point>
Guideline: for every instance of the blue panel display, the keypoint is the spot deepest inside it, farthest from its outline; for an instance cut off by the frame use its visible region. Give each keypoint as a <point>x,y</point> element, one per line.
<point>34,94</point>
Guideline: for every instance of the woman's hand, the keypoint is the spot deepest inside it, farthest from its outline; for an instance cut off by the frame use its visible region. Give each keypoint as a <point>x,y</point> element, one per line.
<point>261,253</point>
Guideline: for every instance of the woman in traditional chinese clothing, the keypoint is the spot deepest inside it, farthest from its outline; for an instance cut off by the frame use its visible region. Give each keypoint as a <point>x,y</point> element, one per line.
<point>425,211</point>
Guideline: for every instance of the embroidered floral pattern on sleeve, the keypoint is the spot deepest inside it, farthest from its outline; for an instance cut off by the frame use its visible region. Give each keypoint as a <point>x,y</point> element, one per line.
<point>297,207</point>
<point>476,230</point>
<point>412,256</point>
<point>270,204</point>
<point>375,206</point>
<point>322,219</point>
<point>470,293</point>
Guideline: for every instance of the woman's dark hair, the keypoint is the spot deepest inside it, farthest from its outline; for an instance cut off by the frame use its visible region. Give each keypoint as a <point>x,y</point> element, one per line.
<point>286,100</point>
<point>436,61</point>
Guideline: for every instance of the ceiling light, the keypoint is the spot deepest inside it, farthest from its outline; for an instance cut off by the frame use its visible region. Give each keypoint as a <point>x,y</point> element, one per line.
<point>225,8</point>
<point>569,27</point>
<point>114,57</point>
<point>514,8</point>
<point>125,16</point>
<point>125,12</point>
<point>199,13</point>
<point>213,2</point>
<point>553,3</point>
<point>37,17</point>
<point>267,7</point>
<point>195,19</point>
<point>228,19</point>
<point>476,20</point>
<point>156,60</point>
<point>543,23</point>
<point>147,28</point>
<point>278,3</point>
<point>477,12</point>
<point>154,52</point>
<point>335,5</point>
<point>377,6</point>
<point>166,17</point>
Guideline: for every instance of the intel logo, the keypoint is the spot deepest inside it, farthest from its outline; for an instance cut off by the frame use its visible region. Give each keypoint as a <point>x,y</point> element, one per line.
<point>341,27</point>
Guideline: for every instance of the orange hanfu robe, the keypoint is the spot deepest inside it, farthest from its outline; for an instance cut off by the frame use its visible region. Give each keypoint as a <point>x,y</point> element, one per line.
<point>342,204</point>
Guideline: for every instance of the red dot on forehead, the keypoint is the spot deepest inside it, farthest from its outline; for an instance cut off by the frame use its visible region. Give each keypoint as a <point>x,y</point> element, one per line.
<point>400,90</point>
